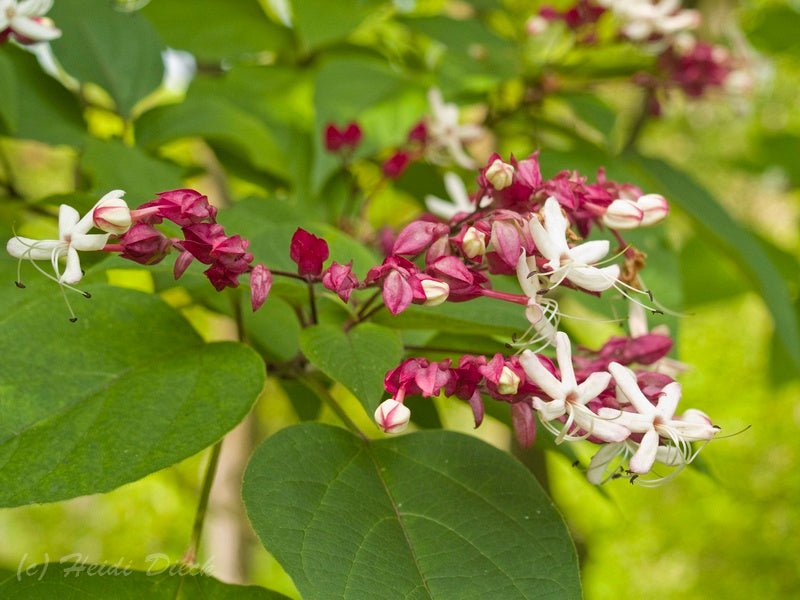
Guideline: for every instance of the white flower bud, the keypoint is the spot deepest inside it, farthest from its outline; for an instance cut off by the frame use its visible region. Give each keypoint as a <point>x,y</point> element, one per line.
<point>474,243</point>
<point>508,383</point>
<point>436,292</point>
<point>654,208</point>
<point>623,214</point>
<point>392,416</point>
<point>111,214</point>
<point>536,25</point>
<point>500,174</point>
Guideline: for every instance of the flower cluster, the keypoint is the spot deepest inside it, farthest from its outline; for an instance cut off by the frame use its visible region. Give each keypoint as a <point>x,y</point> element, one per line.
<point>25,21</point>
<point>137,239</point>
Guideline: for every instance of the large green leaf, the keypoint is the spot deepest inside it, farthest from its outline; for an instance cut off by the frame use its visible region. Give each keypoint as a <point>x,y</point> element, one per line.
<point>737,241</point>
<point>128,389</point>
<point>774,28</point>
<point>35,106</point>
<point>110,164</point>
<point>163,582</point>
<point>119,51</point>
<point>228,29</point>
<point>358,359</point>
<point>427,515</point>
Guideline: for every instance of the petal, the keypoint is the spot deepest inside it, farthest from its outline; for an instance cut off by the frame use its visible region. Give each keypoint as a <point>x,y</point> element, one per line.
<point>590,252</point>
<point>549,410</point>
<point>457,191</point>
<point>72,274</point>
<point>691,432</point>
<point>632,421</point>
<point>591,388</point>
<point>670,456</point>
<point>626,382</point>
<point>524,423</point>
<point>22,247</point>
<point>544,244</point>
<point>529,285</point>
<point>592,278</point>
<point>539,375</point>
<point>554,221</point>
<point>34,8</point>
<point>599,462</point>
<point>609,431</point>
<point>29,28</point>
<point>564,357</point>
<point>89,242</point>
<point>668,401</point>
<point>87,222</point>
<point>68,217</point>
<point>441,208</point>
<point>642,460</point>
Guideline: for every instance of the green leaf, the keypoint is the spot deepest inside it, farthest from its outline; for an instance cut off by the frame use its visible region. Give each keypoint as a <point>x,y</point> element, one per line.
<point>426,515</point>
<point>737,241</point>
<point>774,29</point>
<point>112,165</point>
<point>163,582</point>
<point>274,328</point>
<point>358,359</point>
<point>119,51</point>
<point>320,22</point>
<point>227,30</point>
<point>127,390</point>
<point>35,106</point>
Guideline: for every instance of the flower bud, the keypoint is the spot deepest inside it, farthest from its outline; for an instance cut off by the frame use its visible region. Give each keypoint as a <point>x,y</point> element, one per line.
<point>474,243</point>
<point>508,384</point>
<point>394,166</point>
<point>340,279</point>
<point>436,292</point>
<point>260,284</point>
<point>392,416</point>
<point>112,214</point>
<point>144,244</point>
<point>500,174</point>
<point>623,214</point>
<point>654,208</point>
<point>309,252</point>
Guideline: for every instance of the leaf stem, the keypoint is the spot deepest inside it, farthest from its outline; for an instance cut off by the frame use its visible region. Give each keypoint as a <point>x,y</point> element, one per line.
<point>323,393</point>
<point>312,300</point>
<point>190,556</point>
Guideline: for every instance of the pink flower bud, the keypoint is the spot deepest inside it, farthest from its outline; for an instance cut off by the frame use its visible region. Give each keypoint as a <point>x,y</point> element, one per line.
<point>112,214</point>
<point>392,416</point>
<point>347,138</point>
<point>623,214</point>
<point>417,236</point>
<point>340,279</point>
<point>260,284</point>
<point>654,208</point>
<point>309,252</point>
<point>396,164</point>
<point>418,133</point>
<point>144,244</point>
<point>508,383</point>
<point>474,243</point>
<point>182,263</point>
<point>500,174</point>
<point>183,207</point>
<point>524,421</point>
<point>436,292</point>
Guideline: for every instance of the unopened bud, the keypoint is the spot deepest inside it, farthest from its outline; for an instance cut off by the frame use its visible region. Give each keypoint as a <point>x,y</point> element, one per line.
<point>654,208</point>
<point>474,243</point>
<point>623,214</point>
<point>536,25</point>
<point>392,416</point>
<point>436,292</point>
<point>111,214</point>
<point>500,174</point>
<point>508,384</point>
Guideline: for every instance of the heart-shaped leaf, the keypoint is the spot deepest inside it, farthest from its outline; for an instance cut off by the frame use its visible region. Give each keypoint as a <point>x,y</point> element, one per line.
<point>162,582</point>
<point>427,515</point>
<point>358,359</point>
<point>128,389</point>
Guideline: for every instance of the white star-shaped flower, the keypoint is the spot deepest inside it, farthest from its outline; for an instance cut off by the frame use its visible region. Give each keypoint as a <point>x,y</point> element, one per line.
<point>461,202</point>
<point>26,19</point>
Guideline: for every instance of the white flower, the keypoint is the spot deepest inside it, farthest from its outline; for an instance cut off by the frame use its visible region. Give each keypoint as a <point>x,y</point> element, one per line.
<point>26,19</point>
<point>542,313</point>
<point>602,465</point>
<point>460,199</point>
<point>645,18</point>
<point>446,136</point>
<point>573,264</point>
<point>392,416</point>
<point>568,398</point>
<point>656,421</point>
<point>73,237</point>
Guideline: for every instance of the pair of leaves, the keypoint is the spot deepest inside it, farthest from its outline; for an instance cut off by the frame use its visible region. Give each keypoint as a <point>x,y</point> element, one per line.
<point>129,389</point>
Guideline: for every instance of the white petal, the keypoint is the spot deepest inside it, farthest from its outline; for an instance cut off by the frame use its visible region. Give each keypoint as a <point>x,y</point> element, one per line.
<point>441,208</point>
<point>529,285</point>
<point>692,432</point>
<point>555,222</point>
<point>34,30</point>
<point>593,386</point>
<point>608,431</point>
<point>668,401</point>
<point>626,382</point>
<point>589,252</point>
<point>89,242</point>
<point>544,244</point>
<point>623,214</point>
<point>592,278</point>
<point>22,247</point>
<point>34,8</point>
<point>670,456</point>
<point>457,191</point>
<point>68,218</point>
<point>599,462</point>
<point>540,375</point>
<point>458,154</point>
<point>549,410</point>
<point>564,357</point>
<point>87,222</point>
<point>642,460</point>
<point>72,273</point>
<point>632,421</point>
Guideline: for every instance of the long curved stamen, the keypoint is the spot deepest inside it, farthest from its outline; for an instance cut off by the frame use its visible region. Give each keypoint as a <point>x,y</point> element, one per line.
<point>61,283</point>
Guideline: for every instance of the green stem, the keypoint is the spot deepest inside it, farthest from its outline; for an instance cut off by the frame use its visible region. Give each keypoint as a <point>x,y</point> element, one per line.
<point>321,391</point>
<point>190,556</point>
<point>312,300</point>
